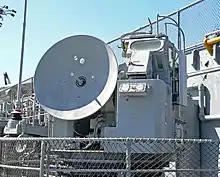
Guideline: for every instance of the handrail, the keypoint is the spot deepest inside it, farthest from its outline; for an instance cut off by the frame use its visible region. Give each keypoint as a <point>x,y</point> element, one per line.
<point>161,19</point>
<point>205,71</point>
<point>15,84</point>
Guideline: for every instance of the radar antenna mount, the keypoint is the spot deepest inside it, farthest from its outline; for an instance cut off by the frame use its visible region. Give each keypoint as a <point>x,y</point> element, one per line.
<point>82,76</point>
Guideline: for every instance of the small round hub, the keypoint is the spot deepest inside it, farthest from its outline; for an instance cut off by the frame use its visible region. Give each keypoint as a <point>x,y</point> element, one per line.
<point>81,81</point>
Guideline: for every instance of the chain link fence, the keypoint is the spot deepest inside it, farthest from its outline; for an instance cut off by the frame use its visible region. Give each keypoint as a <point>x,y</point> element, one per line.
<point>195,20</point>
<point>31,157</point>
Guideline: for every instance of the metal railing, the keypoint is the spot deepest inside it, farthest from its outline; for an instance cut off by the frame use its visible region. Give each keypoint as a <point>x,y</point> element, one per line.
<point>109,157</point>
<point>122,157</point>
<point>195,20</point>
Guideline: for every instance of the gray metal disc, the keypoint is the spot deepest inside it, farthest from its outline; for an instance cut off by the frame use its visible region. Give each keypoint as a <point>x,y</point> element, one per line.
<point>75,77</point>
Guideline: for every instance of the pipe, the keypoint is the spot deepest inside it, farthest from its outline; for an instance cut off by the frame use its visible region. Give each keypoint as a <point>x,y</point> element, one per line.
<point>205,71</point>
<point>208,43</point>
<point>213,41</point>
<point>14,85</point>
<point>212,117</point>
<point>181,30</point>
<point>48,126</point>
<point>18,105</point>
<point>212,33</point>
<point>34,111</point>
<point>201,118</point>
<point>201,102</point>
<point>157,23</point>
<point>154,22</point>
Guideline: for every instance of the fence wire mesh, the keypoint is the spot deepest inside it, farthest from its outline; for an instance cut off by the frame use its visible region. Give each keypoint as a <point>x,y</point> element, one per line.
<point>20,158</point>
<point>26,157</point>
<point>122,157</point>
<point>195,20</point>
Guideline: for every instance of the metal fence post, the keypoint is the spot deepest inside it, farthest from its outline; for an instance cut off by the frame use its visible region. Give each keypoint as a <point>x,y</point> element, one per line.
<point>128,157</point>
<point>179,32</point>
<point>42,157</point>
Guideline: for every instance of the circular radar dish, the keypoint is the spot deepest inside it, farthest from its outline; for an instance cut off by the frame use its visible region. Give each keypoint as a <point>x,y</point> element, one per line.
<point>75,77</point>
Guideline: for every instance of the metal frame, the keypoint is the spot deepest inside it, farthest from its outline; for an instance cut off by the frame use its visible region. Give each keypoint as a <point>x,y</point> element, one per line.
<point>159,20</point>
<point>180,145</point>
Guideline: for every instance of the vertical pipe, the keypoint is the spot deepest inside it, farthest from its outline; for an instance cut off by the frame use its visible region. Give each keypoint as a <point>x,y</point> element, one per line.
<point>180,80</point>
<point>128,157</point>
<point>52,126</point>
<point>166,29</point>
<point>179,32</point>
<point>22,57</point>
<point>201,118</point>
<point>32,84</point>
<point>34,111</point>
<point>41,116</point>
<point>48,124</point>
<point>157,24</point>
<point>41,173</point>
<point>201,102</point>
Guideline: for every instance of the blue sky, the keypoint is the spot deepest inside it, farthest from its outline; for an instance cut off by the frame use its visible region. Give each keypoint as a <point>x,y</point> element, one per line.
<point>48,21</point>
